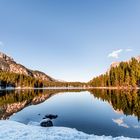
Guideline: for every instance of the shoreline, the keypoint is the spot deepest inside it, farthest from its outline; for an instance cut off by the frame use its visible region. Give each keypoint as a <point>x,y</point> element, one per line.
<point>21,131</point>
<point>71,88</point>
<point>125,88</point>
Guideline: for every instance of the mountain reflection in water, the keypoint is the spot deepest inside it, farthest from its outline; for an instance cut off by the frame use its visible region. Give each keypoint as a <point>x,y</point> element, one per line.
<point>12,101</point>
<point>98,111</point>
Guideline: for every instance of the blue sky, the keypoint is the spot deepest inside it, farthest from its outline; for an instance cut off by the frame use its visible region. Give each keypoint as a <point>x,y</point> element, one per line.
<point>72,40</point>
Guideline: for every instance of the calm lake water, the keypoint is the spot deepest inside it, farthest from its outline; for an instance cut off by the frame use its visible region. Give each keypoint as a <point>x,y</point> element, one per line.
<point>100,112</point>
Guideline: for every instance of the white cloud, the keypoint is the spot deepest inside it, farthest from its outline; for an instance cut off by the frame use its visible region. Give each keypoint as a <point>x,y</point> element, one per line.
<point>136,126</point>
<point>120,122</point>
<point>115,54</point>
<point>128,50</point>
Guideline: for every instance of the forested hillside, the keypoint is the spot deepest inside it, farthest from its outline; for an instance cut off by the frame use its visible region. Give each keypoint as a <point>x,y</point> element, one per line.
<point>13,74</point>
<point>18,80</point>
<point>8,79</point>
<point>126,74</point>
<point>7,64</point>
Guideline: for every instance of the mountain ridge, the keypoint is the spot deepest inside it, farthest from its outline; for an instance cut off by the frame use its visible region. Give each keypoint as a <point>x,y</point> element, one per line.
<point>8,64</point>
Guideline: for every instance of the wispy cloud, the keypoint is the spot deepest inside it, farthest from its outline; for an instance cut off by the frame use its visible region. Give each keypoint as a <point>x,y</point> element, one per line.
<point>120,122</point>
<point>115,54</point>
<point>129,50</point>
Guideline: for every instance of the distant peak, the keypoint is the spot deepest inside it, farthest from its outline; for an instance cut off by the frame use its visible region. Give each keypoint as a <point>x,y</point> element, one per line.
<point>138,58</point>
<point>115,64</point>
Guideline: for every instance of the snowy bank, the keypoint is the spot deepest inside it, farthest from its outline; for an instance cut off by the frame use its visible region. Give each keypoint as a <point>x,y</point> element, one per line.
<point>10,130</point>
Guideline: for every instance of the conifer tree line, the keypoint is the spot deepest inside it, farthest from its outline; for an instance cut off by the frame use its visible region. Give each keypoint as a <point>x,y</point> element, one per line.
<point>19,80</point>
<point>127,74</point>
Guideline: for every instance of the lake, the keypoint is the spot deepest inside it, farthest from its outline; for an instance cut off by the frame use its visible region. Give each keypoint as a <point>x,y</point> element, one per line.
<point>97,111</point>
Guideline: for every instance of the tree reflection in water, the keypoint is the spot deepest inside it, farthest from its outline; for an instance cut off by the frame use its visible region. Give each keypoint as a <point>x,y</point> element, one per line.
<point>125,101</point>
<point>12,101</point>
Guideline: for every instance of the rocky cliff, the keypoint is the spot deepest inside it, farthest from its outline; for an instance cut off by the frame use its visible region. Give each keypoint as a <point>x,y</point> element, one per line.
<point>9,65</point>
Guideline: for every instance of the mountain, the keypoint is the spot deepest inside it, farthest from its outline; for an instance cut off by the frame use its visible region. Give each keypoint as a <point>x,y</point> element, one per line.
<point>13,74</point>
<point>116,64</point>
<point>7,64</point>
<point>120,74</point>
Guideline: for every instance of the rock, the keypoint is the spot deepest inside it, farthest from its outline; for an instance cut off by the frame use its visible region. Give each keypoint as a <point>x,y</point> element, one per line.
<point>51,116</point>
<point>47,120</point>
<point>46,123</point>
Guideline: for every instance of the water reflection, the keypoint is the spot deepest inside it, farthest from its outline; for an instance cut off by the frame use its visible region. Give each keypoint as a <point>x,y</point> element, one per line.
<point>120,122</point>
<point>102,112</point>
<point>126,102</point>
<point>12,101</point>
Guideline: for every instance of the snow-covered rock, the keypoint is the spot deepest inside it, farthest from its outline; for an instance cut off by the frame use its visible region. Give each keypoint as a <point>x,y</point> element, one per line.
<point>10,130</point>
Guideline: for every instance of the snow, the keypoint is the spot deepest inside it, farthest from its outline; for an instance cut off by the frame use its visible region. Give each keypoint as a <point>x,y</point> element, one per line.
<point>10,130</point>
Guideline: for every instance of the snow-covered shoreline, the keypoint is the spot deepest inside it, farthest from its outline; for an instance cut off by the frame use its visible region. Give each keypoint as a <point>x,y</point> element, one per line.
<point>10,130</point>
